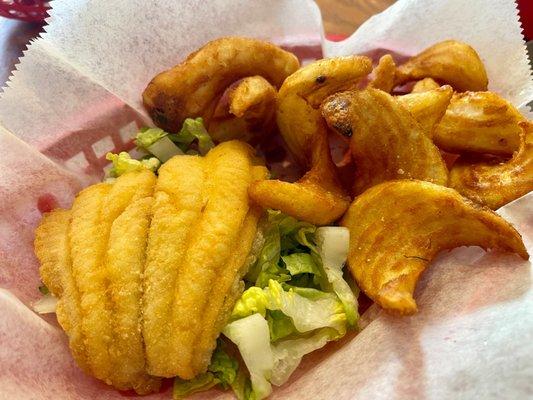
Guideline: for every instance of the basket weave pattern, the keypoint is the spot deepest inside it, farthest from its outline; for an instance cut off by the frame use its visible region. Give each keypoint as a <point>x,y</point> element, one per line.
<point>25,10</point>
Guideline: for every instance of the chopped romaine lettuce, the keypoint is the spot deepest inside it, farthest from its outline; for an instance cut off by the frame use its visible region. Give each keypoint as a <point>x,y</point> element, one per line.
<point>45,305</point>
<point>148,136</point>
<point>223,370</point>
<point>296,301</point>
<point>193,129</point>
<point>252,337</point>
<point>123,163</point>
<point>333,243</point>
<point>300,263</point>
<point>43,289</point>
<point>156,142</point>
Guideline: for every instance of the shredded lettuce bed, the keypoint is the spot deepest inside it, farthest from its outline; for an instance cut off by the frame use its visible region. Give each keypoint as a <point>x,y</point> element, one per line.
<point>295,302</point>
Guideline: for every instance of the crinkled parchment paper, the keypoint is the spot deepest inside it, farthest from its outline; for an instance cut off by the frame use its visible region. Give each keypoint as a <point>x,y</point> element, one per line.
<point>76,95</point>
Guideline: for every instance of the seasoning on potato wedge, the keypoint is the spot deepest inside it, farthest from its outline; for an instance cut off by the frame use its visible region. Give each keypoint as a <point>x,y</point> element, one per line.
<point>495,185</point>
<point>398,227</point>
<point>427,107</point>
<point>300,96</point>
<point>387,142</point>
<point>192,88</point>
<point>384,74</point>
<point>424,85</point>
<point>318,196</point>
<point>246,111</point>
<point>451,62</point>
<point>479,122</point>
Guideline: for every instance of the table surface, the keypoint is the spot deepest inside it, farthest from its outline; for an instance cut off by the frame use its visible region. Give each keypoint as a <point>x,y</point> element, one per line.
<point>340,17</point>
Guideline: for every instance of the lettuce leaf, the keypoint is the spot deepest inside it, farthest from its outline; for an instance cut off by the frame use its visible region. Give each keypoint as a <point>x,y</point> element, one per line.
<point>191,130</point>
<point>333,244</point>
<point>123,163</point>
<point>182,388</point>
<point>251,335</point>
<point>300,263</point>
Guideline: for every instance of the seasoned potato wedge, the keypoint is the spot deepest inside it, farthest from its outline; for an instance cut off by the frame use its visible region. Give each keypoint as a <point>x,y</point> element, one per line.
<point>451,62</point>
<point>246,111</point>
<point>495,185</point>
<point>427,107</point>
<point>479,122</point>
<point>424,85</point>
<point>397,228</point>
<point>318,196</point>
<point>300,96</point>
<point>384,74</point>
<point>387,142</point>
<point>191,88</point>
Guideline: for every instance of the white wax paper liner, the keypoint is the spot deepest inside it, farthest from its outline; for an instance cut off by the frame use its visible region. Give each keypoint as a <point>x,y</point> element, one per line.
<point>76,95</point>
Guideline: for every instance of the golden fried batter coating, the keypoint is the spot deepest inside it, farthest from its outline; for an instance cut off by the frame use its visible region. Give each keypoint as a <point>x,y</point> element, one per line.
<point>201,206</point>
<point>424,85</point>
<point>398,227</point>
<point>53,251</point>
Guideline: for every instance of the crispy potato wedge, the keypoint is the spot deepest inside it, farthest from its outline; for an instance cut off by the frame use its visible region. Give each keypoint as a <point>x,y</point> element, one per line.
<point>300,96</point>
<point>495,185</point>
<point>387,142</point>
<point>427,107</point>
<point>384,74</point>
<point>318,197</point>
<point>424,85</point>
<point>451,62</point>
<point>246,111</point>
<point>479,122</point>
<point>191,88</point>
<point>397,228</point>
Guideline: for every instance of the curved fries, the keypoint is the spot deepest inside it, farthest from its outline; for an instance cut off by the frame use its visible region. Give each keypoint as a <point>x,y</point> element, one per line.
<point>397,228</point>
<point>384,74</point>
<point>497,185</point>
<point>427,107</point>
<point>246,111</point>
<point>479,122</point>
<point>424,85</point>
<point>451,62</point>
<point>387,142</point>
<point>301,94</point>
<point>318,196</point>
<point>190,89</point>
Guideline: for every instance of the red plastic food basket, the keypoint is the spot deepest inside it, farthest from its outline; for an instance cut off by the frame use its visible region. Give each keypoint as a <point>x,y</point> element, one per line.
<point>25,10</point>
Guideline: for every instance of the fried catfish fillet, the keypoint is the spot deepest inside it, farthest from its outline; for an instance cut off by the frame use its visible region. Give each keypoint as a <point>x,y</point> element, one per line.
<point>246,111</point>
<point>384,74</point>
<point>451,62</point>
<point>201,228</point>
<point>427,107</point>
<point>101,242</point>
<point>192,88</point>
<point>318,197</point>
<point>53,251</point>
<point>397,228</point>
<point>479,122</point>
<point>424,85</point>
<point>495,185</point>
<point>387,143</point>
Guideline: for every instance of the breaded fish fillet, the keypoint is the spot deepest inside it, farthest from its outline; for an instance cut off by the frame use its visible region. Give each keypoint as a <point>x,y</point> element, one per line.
<point>130,200</point>
<point>147,269</point>
<point>211,195</point>
<point>53,251</point>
